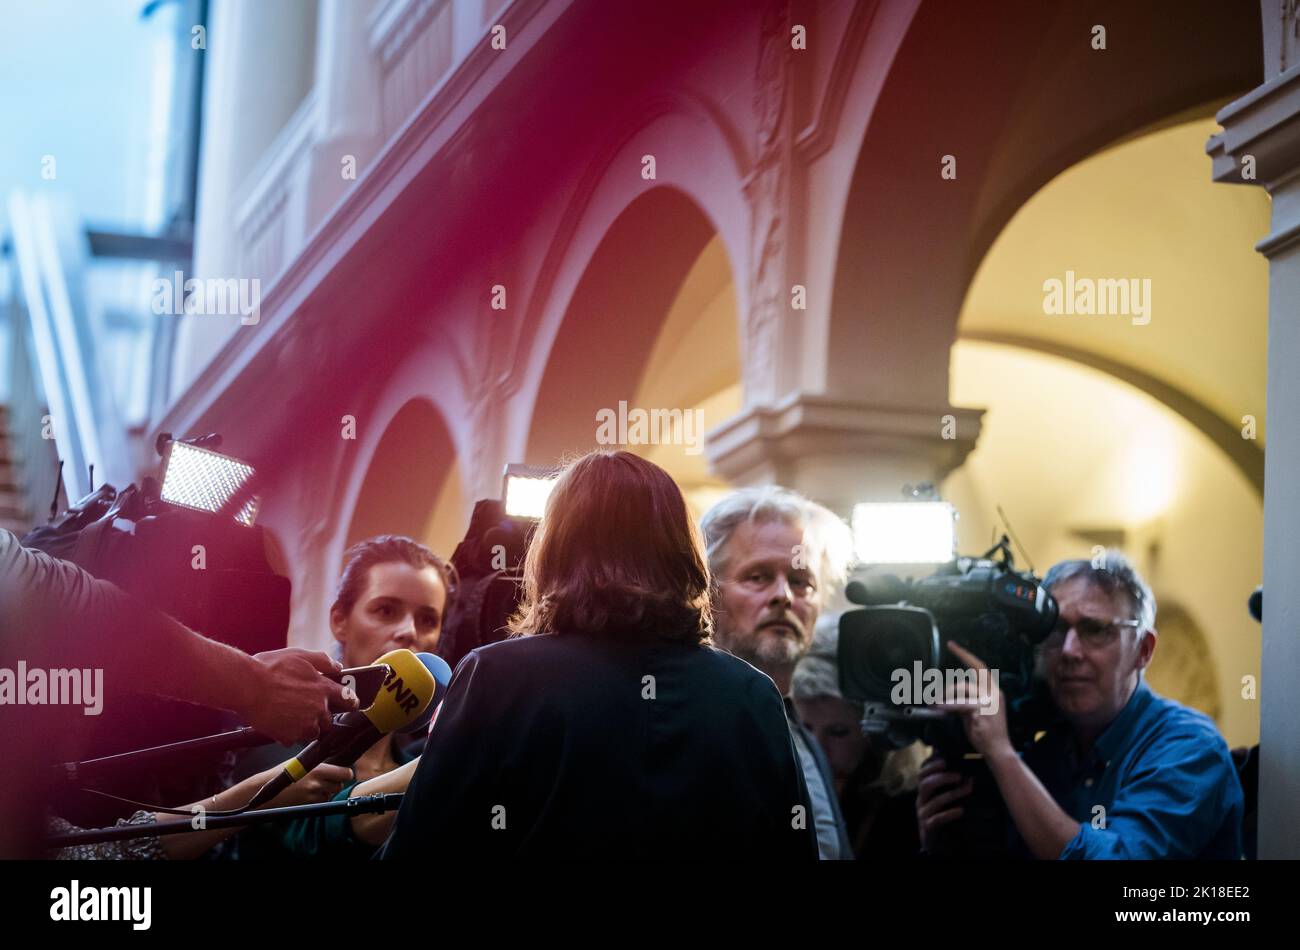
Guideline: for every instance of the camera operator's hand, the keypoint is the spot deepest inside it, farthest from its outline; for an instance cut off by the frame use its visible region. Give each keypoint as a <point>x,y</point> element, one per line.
<point>292,701</point>
<point>984,717</point>
<point>1043,825</point>
<point>934,805</point>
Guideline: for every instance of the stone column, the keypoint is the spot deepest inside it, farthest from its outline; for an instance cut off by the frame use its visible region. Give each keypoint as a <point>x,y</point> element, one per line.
<point>1260,145</point>
<point>840,452</point>
<point>838,448</point>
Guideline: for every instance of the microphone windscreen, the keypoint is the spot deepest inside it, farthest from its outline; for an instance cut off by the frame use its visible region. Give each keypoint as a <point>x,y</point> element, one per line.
<point>406,694</point>
<point>436,665</point>
<point>877,590</point>
<point>441,672</point>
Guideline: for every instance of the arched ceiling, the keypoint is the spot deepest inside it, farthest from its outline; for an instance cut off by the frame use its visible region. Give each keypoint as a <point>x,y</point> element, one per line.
<point>411,486</point>
<point>1014,96</point>
<point>1075,458</point>
<point>613,320</point>
<point>1144,209</point>
<point>695,364</point>
<point>697,352</point>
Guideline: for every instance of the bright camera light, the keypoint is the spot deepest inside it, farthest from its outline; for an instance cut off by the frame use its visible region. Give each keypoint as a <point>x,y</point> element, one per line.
<point>527,489</point>
<point>909,532</point>
<point>204,481</point>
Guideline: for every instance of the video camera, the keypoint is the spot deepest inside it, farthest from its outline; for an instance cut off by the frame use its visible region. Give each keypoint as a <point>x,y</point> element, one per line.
<point>894,648</point>
<point>489,561</point>
<point>187,545</point>
<point>894,659</point>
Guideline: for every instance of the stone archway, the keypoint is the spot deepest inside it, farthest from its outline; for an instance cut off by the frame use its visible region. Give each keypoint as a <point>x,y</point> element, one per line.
<point>613,319</point>
<point>410,481</point>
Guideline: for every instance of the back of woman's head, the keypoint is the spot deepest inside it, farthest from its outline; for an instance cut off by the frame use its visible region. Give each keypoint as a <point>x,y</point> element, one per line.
<point>615,552</point>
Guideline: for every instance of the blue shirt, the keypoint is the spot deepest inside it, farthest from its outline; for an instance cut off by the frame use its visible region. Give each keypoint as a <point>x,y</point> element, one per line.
<point>1162,774</point>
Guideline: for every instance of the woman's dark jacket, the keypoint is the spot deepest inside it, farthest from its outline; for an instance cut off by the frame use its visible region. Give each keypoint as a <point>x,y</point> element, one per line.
<point>611,747</point>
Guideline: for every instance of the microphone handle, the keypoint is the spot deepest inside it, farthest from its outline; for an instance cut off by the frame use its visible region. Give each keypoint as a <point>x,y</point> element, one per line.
<point>364,805</point>
<point>348,753</point>
<point>86,772</point>
<point>350,729</point>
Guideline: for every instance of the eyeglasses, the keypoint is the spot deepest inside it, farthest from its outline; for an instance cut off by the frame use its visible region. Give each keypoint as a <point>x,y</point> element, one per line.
<point>1092,632</point>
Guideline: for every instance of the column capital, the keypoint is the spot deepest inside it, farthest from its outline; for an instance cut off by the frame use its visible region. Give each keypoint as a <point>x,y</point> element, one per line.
<point>1260,141</point>
<point>839,451</point>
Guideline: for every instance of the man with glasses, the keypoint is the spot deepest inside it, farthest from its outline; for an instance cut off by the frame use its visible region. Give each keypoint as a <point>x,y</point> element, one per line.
<point>1130,774</point>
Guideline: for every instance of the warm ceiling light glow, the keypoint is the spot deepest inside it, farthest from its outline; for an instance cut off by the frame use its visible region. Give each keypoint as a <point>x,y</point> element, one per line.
<point>1150,467</point>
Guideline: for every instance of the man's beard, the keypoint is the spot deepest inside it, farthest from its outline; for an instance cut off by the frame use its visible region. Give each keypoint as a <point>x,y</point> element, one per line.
<point>775,653</point>
<point>769,653</point>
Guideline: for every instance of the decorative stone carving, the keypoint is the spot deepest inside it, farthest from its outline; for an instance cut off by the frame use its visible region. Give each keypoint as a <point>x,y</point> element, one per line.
<point>1289,51</point>
<point>767,191</point>
<point>486,356</point>
<point>1183,667</point>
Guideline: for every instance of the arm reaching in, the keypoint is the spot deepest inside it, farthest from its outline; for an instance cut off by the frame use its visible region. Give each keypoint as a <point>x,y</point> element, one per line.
<point>319,785</point>
<point>373,829</point>
<point>55,609</point>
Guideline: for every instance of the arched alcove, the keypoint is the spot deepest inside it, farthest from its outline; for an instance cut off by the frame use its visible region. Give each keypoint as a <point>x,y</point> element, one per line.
<point>1003,103</point>
<point>411,486</point>
<point>1076,458</point>
<point>1144,211</point>
<point>652,324</point>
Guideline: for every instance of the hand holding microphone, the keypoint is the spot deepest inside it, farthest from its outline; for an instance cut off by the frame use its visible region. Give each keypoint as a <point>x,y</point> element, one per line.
<point>406,696</point>
<point>292,700</point>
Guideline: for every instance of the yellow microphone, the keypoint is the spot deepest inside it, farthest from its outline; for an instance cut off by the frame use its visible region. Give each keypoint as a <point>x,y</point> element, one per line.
<point>406,693</point>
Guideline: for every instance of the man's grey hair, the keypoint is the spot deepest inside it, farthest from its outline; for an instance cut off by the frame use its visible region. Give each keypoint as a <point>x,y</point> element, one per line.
<point>1111,572</point>
<point>828,540</point>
